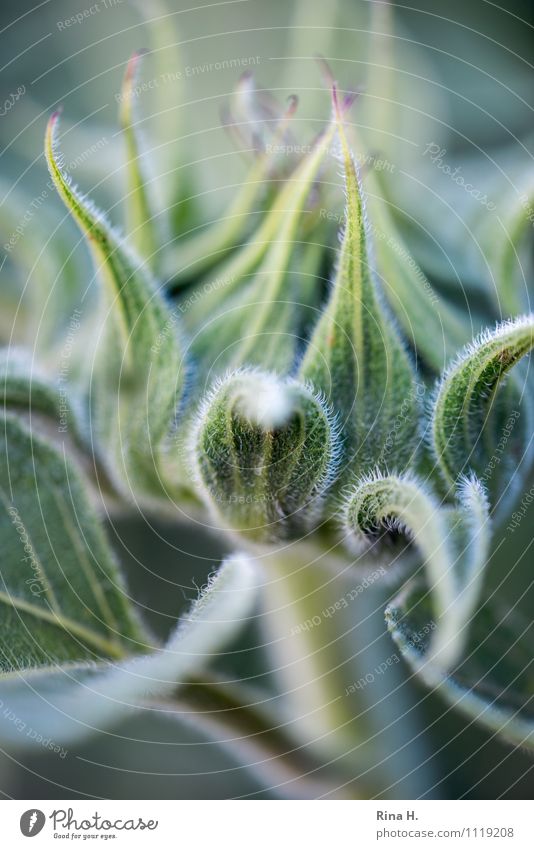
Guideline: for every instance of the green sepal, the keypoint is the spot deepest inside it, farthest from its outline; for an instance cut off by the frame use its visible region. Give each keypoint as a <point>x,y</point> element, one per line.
<point>138,375</point>
<point>477,425</point>
<point>355,356</point>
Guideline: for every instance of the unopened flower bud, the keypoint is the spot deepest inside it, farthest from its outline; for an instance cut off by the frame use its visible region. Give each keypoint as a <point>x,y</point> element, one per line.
<point>265,449</point>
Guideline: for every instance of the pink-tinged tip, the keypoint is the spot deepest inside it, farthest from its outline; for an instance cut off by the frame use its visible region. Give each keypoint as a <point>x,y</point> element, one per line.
<point>349,98</point>
<point>245,83</point>
<point>335,99</point>
<point>133,62</point>
<point>292,105</point>
<point>54,117</point>
<point>341,106</point>
<point>326,71</point>
<point>132,67</point>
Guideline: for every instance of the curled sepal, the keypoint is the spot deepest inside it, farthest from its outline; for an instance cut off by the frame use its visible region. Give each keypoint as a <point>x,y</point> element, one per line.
<point>355,355</point>
<point>265,450</point>
<point>138,374</point>
<point>474,426</point>
<point>452,540</point>
<point>492,684</point>
<point>140,220</point>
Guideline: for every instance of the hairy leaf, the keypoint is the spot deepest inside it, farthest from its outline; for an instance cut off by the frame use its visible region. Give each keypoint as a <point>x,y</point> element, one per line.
<point>42,274</point>
<point>68,703</point>
<point>430,324</point>
<point>138,375</point>
<point>61,594</point>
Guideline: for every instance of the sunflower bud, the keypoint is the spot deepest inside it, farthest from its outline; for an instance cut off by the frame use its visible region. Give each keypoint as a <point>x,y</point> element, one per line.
<point>265,449</point>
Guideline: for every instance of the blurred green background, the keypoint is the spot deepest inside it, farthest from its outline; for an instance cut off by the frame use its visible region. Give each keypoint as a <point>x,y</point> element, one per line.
<point>465,77</point>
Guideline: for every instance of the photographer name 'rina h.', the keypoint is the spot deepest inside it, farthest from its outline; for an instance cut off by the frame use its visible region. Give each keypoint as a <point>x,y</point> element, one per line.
<point>388,815</point>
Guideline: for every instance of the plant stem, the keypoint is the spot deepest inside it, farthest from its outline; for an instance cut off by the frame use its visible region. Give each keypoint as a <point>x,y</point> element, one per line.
<point>326,633</point>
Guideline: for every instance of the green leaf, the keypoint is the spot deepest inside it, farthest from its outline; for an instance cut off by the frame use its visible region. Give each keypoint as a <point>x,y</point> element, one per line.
<point>60,591</point>
<point>453,542</point>
<point>67,703</point>
<point>138,375</point>
<point>355,355</point>
<point>140,216</point>
<point>471,427</point>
